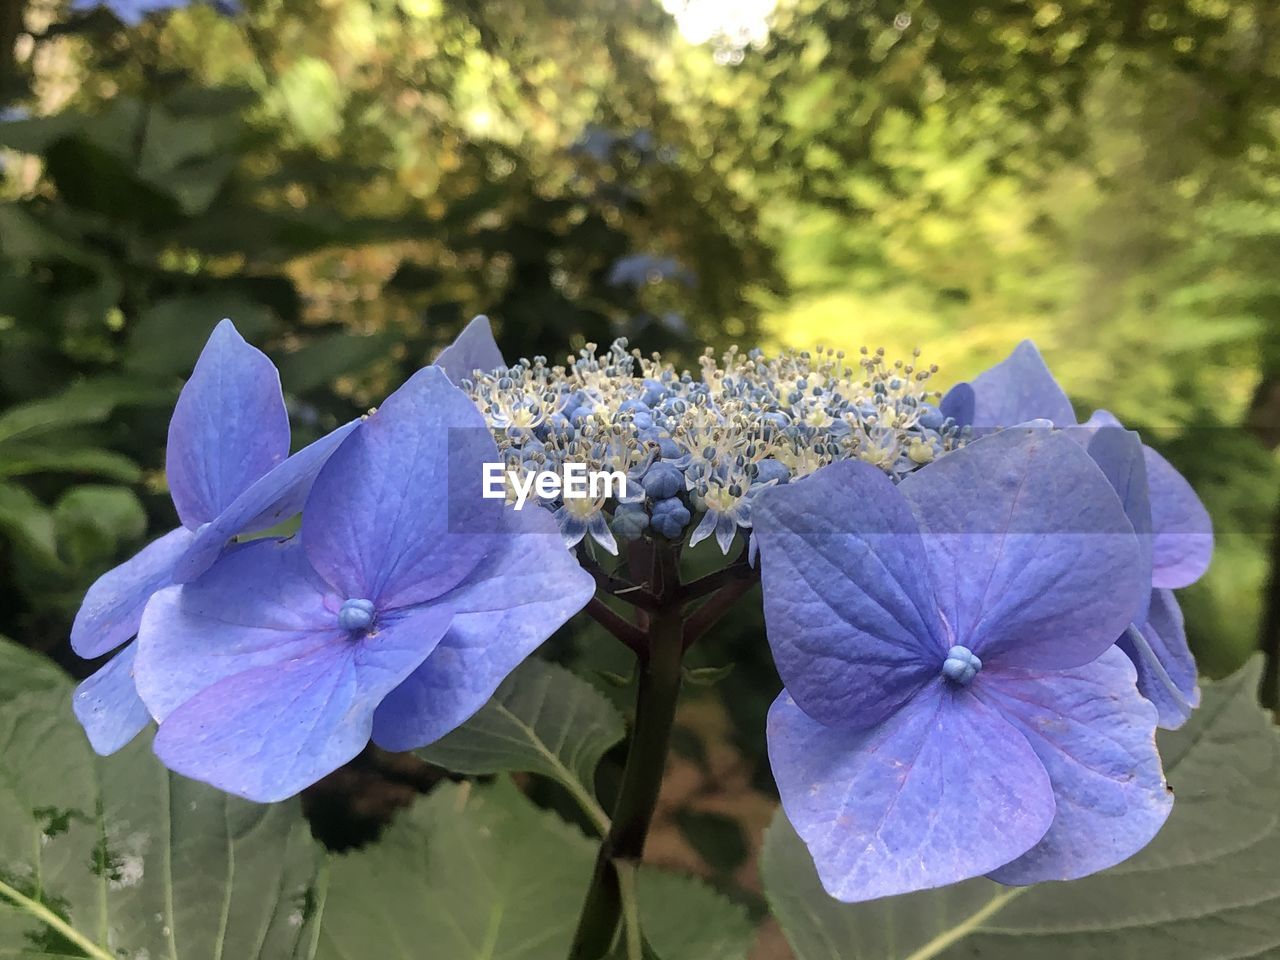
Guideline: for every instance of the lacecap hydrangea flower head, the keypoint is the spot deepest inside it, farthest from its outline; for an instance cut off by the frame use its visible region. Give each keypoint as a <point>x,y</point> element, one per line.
<point>1163,507</point>
<point>954,702</point>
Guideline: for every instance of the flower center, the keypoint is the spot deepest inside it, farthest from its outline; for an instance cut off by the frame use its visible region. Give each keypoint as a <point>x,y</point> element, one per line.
<point>356,615</point>
<point>961,665</point>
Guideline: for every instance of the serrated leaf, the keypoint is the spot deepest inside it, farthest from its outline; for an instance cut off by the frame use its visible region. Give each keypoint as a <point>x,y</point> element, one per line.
<point>470,873</point>
<point>1207,888</point>
<point>542,720</point>
<point>116,857</point>
<point>684,919</point>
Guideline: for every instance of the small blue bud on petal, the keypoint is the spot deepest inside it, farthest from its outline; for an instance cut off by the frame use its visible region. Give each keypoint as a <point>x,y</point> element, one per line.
<point>356,614</point>
<point>961,665</point>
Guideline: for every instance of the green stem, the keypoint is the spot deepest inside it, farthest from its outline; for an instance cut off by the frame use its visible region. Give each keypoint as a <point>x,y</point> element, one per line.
<point>658,691</point>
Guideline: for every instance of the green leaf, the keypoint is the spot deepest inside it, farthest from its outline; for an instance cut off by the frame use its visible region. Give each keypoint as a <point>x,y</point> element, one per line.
<point>90,401</point>
<point>28,524</point>
<point>110,858</point>
<point>1207,888</point>
<point>170,334</point>
<point>34,134</point>
<point>542,720</point>
<point>684,919</point>
<point>327,358</point>
<point>23,460</point>
<point>92,521</point>
<point>707,676</point>
<point>470,873</point>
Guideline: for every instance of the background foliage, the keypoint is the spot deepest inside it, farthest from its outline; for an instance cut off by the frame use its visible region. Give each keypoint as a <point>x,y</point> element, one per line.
<point>351,180</point>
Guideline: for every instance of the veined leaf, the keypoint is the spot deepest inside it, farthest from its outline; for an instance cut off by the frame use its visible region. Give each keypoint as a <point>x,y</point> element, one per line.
<point>116,857</point>
<point>542,720</point>
<point>470,873</point>
<point>684,919</point>
<point>1207,888</point>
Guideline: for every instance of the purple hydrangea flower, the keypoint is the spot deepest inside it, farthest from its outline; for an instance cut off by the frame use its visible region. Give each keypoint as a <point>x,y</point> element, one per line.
<point>394,614</point>
<point>1161,503</point>
<point>131,12</point>
<point>954,704</point>
<point>228,474</point>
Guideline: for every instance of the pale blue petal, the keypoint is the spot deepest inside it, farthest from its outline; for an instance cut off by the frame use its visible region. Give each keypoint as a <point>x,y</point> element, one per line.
<point>848,605</point>
<point>261,603</point>
<point>268,501</point>
<point>474,349</point>
<point>1183,531</point>
<point>1167,674</point>
<point>1119,454</point>
<point>505,609</point>
<point>944,790</point>
<point>108,707</point>
<point>1017,389</point>
<point>1095,736</point>
<point>271,731</point>
<point>1034,563</point>
<point>112,607</point>
<point>397,514</point>
<point>229,427</point>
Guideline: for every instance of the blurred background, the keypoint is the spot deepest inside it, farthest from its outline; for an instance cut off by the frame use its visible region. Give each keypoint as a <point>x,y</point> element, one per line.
<point>351,180</point>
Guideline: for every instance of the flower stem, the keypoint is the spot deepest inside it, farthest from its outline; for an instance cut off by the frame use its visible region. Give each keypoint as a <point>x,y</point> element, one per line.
<point>656,697</point>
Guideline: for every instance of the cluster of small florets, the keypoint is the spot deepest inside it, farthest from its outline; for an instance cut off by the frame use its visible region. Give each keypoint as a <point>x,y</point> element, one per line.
<point>702,447</point>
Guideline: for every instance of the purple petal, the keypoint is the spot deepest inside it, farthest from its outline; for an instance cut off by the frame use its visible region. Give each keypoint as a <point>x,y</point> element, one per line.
<point>944,790</point>
<point>269,500</point>
<point>1119,454</point>
<point>260,604</point>
<point>474,349</point>
<point>267,733</point>
<point>1033,560</point>
<point>228,429</point>
<point>959,404</point>
<point>1017,389</point>
<point>1096,737</point>
<point>108,707</point>
<point>504,610</point>
<point>847,602</point>
<point>1167,674</point>
<point>396,515</point>
<point>1183,531</point>
<point>112,608</point>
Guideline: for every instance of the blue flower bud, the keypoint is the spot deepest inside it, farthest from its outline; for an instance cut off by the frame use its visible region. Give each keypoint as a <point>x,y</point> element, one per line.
<point>670,517</point>
<point>653,392</point>
<point>771,469</point>
<point>356,614</point>
<point>630,521</point>
<point>961,665</point>
<point>662,480</point>
<point>669,449</point>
